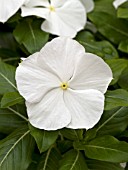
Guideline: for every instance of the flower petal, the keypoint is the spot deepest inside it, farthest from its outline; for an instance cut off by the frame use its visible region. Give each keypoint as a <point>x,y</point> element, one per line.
<point>85,106</point>
<point>91,73</point>
<point>58,3</point>
<point>8,8</point>
<point>88,4</point>
<point>36,3</point>
<point>117,3</point>
<point>40,12</point>
<point>50,113</point>
<point>34,82</point>
<point>60,56</point>
<point>58,24</point>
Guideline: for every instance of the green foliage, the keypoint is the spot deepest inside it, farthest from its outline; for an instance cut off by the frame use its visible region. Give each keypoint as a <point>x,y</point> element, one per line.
<point>7,78</point>
<point>123,80</point>
<point>105,148</point>
<point>14,152</point>
<point>50,160</point>
<point>72,134</point>
<point>113,122</point>
<point>117,66</point>
<point>10,99</point>
<point>29,34</point>
<point>122,11</point>
<point>110,26</point>
<point>101,165</point>
<point>116,98</point>
<point>103,48</point>
<point>10,120</point>
<point>44,139</point>
<point>73,160</point>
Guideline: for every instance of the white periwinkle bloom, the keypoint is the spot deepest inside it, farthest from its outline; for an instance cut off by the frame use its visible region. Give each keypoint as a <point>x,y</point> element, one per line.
<point>63,86</point>
<point>62,17</point>
<point>117,3</point>
<point>8,8</point>
<point>88,4</point>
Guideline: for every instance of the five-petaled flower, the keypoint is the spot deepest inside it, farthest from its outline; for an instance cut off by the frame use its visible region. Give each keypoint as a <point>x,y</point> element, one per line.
<point>117,3</point>
<point>62,17</point>
<point>63,85</point>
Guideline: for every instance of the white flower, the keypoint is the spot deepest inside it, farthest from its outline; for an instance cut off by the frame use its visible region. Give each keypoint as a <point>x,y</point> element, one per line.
<point>123,165</point>
<point>63,86</point>
<point>88,4</point>
<point>8,8</point>
<point>63,17</point>
<point>117,3</point>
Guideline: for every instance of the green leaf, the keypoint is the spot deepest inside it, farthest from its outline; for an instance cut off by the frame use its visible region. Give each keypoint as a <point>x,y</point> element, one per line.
<point>123,80</point>
<point>64,145</point>
<point>103,49</point>
<point>110,26</point>
<point>44,139</point>
<point>122,11</point>
<point>123,46</point>
<point>9,121</point>
<point>105,6</point>
<point>7,41</point>
<point>116,98</point>
<point>106,148</point>
<point>101,165</point>
<point>14,152</point>
<point>73,160</point>
<point>72,134</point>
<point>7,55</point>
<point>7,78</point>
<point>10,99</point>
<point>90,134</point>
<point>49,160</point>
<point>29,33</point>
<point>113,122</point>
<point>117,66</point>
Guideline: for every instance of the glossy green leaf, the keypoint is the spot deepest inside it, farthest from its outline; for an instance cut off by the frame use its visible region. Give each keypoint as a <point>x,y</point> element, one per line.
<point>8,55</point>
<point>29,33</point>
<point>73,160</point>
<point>72,134</point>
<point>14,152</point>
<point>64,145</point>
<point>10,99</point>
<point>106,148</point>
<point>44,139</point>
<point>7,78</point>
<point>103,49</point>
<point>101,165</point>
<point>105,6</point>
<point>90,134</point>
<point>9,120</point>
<point>113,122</point>
<point>117,66</point>
<point>123,80</point>
<point>116,98</point>
<point>122,11</point>
<point>110,26</point>
<point>7,41</point>
<point>49,160</point>
<point>123,46</point>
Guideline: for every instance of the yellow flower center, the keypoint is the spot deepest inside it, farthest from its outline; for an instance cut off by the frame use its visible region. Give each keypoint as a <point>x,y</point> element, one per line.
<point>64,86</point>
<point>52,8</point>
